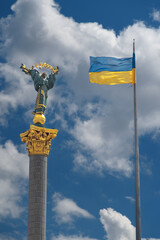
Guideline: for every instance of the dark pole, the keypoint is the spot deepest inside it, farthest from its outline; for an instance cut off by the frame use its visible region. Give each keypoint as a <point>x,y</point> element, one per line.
<point>137,174</point>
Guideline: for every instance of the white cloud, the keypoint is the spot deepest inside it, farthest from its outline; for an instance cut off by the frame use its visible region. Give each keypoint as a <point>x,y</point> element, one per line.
<point>156,15</point>
<point>105,149</point>
<point>18,91</point>
<point>13,163</point>
<point>72,237</point>
<point>102,116</point>
<point>131,199</point>
<point>66,210</point>
<point>117,226</point>
<point>13,175</point>
<point>152,238</point>
<point>10,199</point>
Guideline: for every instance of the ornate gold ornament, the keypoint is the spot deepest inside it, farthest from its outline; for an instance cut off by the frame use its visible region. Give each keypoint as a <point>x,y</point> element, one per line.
<point>46,65</point>
<point>38,140</point>
<point>39,118</point>
<point>39,66</point>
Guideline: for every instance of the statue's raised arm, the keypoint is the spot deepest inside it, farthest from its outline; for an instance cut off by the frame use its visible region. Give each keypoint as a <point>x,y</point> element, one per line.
<point>25,69</point>
<point>42,84</point>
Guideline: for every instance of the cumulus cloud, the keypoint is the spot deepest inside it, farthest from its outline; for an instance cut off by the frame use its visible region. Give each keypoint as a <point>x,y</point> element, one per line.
<point>99,118</point>
<point>13,163</point>
<point>117,226</point>
<point>13,174</point>
<point>17,91</point>
<point>101,153</point>
<point>66,210</point>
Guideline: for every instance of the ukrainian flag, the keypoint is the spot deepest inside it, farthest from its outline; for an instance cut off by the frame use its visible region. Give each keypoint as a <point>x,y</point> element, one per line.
<point>112,71</point>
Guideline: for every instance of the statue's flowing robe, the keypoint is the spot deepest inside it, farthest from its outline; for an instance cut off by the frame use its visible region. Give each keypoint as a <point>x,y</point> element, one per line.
<point>42,85</point>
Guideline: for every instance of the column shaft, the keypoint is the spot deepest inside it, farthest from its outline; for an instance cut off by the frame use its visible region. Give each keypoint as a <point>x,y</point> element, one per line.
<point>37,197</point>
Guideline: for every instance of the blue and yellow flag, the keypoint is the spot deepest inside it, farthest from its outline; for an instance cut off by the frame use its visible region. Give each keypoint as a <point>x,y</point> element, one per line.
<point>112,71</point>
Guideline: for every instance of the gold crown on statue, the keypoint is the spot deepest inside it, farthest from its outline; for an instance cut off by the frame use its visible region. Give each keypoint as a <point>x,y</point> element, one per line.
<point>45,65</point>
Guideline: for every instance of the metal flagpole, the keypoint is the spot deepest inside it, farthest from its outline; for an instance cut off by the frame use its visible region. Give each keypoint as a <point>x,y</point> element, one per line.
<point>137,174</point>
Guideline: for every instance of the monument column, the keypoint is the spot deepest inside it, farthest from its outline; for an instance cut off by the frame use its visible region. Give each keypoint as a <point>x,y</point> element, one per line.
<point>38,141</point>
<point>37,197</point>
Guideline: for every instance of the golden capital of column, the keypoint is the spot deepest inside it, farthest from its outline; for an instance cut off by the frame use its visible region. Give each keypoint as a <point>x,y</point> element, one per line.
<point>38,140</point>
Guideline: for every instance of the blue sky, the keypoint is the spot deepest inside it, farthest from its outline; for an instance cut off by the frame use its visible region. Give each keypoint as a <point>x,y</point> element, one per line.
<point>91,164</point>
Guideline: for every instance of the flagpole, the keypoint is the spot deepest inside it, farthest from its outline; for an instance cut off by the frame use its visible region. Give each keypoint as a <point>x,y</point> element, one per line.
<point>137,174</point>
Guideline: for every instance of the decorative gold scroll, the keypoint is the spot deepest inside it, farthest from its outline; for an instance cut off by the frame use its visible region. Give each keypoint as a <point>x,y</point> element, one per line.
<point>38,140</point>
